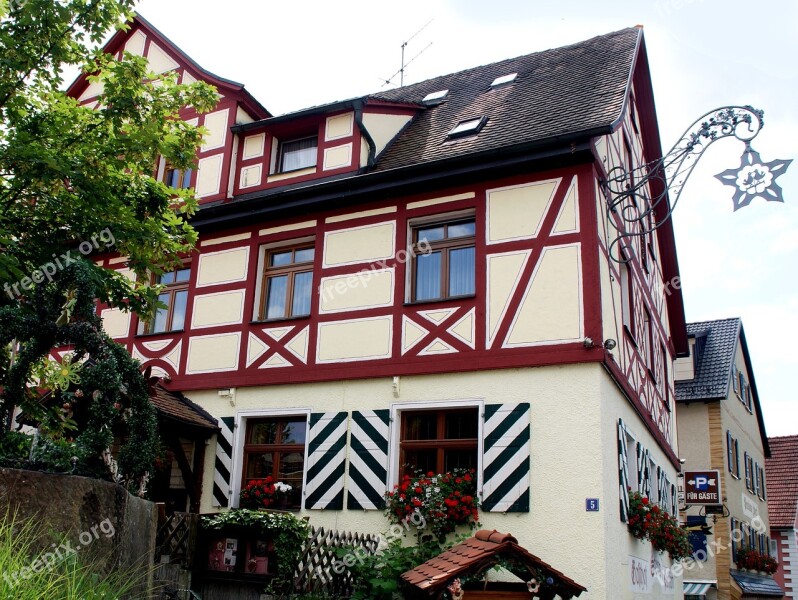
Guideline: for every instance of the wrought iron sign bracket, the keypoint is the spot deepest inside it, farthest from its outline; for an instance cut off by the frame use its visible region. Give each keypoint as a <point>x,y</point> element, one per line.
<point>631,195</point>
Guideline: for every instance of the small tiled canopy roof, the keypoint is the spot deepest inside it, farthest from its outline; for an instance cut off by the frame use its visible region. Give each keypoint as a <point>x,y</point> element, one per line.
<point>478,553</point>
<point>175,407</point>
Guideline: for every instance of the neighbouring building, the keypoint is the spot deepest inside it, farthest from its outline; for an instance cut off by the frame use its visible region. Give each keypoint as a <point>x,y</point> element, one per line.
<point>421,278</point>
<point>720,427</point>
<point>782,489</point>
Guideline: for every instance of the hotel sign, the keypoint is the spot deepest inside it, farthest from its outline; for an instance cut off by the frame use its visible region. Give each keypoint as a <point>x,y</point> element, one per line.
<point>702,488</point>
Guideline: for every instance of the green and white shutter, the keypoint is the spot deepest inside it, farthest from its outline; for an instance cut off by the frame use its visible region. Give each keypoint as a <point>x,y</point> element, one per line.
<point>368,460</point>
<point>324,482</point>
<point>223,465</point>
<point>623,470</point>
<point>505,459</point>
<point>643,471</point>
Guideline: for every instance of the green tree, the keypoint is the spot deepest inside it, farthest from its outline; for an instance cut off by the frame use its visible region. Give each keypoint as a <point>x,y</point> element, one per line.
<point>71,174</point>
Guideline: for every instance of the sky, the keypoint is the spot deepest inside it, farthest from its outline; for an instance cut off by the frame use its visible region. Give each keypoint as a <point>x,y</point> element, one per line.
<point>703,54</point>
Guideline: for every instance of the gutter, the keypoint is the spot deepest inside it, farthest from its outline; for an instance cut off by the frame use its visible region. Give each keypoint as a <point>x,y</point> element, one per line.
<point>358,106</point>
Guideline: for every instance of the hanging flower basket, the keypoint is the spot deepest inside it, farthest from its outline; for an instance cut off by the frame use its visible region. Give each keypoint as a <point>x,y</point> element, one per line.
<point>647,521</point>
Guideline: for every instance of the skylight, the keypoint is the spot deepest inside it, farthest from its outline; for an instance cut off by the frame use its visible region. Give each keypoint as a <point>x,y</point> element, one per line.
<point>435,96</point>
<point>468,126</point>
<point>504,79</point>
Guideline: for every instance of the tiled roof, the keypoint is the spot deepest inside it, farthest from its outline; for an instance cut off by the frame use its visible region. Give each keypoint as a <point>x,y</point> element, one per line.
<point>176,407</point>
<point>562,91</point>
<point>781,480</point>
<point>757,586</point>
<point>477,553</point>
<point>716,342</point>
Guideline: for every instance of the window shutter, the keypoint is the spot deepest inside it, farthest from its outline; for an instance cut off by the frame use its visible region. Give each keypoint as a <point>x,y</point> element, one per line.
<point>505,459</point>
<point>324,480</point>
<point>757,485</point>
<point>623,471</point>
<point>674,500</point>
<point>643,471</point>
<point>223,466</point>
<point>729,451</point>
<point>735,380</point>
<point>368,460</point>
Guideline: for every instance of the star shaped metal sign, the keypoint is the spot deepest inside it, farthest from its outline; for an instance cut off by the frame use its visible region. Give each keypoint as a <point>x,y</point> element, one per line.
<point>754,178</point>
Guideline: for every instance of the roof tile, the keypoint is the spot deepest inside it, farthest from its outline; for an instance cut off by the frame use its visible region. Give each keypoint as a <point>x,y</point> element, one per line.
<point>781,481</point>
<point>713,372</point>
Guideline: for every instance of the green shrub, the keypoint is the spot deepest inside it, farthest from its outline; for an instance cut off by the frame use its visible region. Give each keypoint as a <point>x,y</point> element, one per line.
<point>26,574</point>
<point>14,449</point>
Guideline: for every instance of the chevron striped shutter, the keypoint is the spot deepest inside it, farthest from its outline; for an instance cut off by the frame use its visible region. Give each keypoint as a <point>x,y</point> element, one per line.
<point>674,506</point>
<point>505,459</point>
<point>623,470</point>
<point>643,472</point>
<point>662,489</point>
<point>324,482</point>
<point>223,466</point>
<point>368,460</point>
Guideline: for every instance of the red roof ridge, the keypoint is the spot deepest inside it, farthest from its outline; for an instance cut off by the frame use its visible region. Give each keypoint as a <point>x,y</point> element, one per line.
<point>494,536</point>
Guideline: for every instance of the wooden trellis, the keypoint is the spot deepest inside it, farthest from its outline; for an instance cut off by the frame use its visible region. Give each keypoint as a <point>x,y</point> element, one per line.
<point>323,567</point>
<point>175,538</point>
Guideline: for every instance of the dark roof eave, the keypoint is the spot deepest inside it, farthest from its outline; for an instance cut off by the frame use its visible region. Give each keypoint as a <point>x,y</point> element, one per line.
<point>249,207</point>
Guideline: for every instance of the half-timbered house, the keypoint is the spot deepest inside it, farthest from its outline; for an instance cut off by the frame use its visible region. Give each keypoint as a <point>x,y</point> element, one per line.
<point>422,276</point>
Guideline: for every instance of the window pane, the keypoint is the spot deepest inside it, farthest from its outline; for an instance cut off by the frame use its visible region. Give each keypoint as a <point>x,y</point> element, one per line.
<point>293,432</point>
<point>186,179</point>
<point>172,177</point>
<point>291,466</point>
<point>260,466</point>
<point>461,271</point>
<point>280,259</point>
<point>466,229</point>
<point>428,276</point>
<point>421,427</point>
<point>166,278</point>
<point>430,234</point>
<point>179,314</point>
<point>159,322</point>
<point>182,275</point>
<point>302,289</point>
<point>459,459</point>
<point>304,255</point>
<point>275,298</point>
<point>298,154</point>
<point>420,460</point>
<point>263,433</point>
<point>461,425</point>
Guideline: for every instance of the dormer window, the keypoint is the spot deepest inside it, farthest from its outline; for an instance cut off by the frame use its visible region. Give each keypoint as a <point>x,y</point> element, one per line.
<point>503,80</point>
<point>435,97</point>
<point>179,179</point>
<point>468,127</point>
<point>297,154</point>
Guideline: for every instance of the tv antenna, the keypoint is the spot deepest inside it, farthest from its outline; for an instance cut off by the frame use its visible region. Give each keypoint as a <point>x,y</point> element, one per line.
<point>401,71</point>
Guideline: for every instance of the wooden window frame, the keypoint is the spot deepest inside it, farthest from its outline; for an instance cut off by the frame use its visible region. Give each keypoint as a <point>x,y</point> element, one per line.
<point>291,270</point>
<point>276,448</point>
<point>183,182</point>
<point>281,153</point>
<point>171,289</point>
<point>441,444</point>
<point>444,246</point>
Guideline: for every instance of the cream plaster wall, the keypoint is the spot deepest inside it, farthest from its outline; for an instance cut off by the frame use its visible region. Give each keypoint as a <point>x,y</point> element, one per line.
<point>572,459</point>
<point>354,339</point>
<point>339,126</point>
<point>369,289</point>
<point>516,213</point>
<point>216,124</point>
<point>383,128</point>
<point>359,244</point>
<point>253,146</point>
<point>337,157</point>
<point>213,353</point>
<point>552,306</point>
<point>224,308</point>
<point>115,322</point>
<point>209,175</point>
<point>226,266</point>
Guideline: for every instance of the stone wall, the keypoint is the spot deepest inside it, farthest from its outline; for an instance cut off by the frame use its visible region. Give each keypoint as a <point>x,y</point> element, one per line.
<point>99,519</point>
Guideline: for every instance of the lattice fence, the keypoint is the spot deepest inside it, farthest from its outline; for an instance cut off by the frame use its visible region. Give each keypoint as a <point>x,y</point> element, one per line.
<point>323,568</point>
<point>175,538</point>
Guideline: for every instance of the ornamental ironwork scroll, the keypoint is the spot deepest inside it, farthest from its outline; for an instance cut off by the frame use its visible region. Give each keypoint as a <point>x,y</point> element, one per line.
<point>629,191</point>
